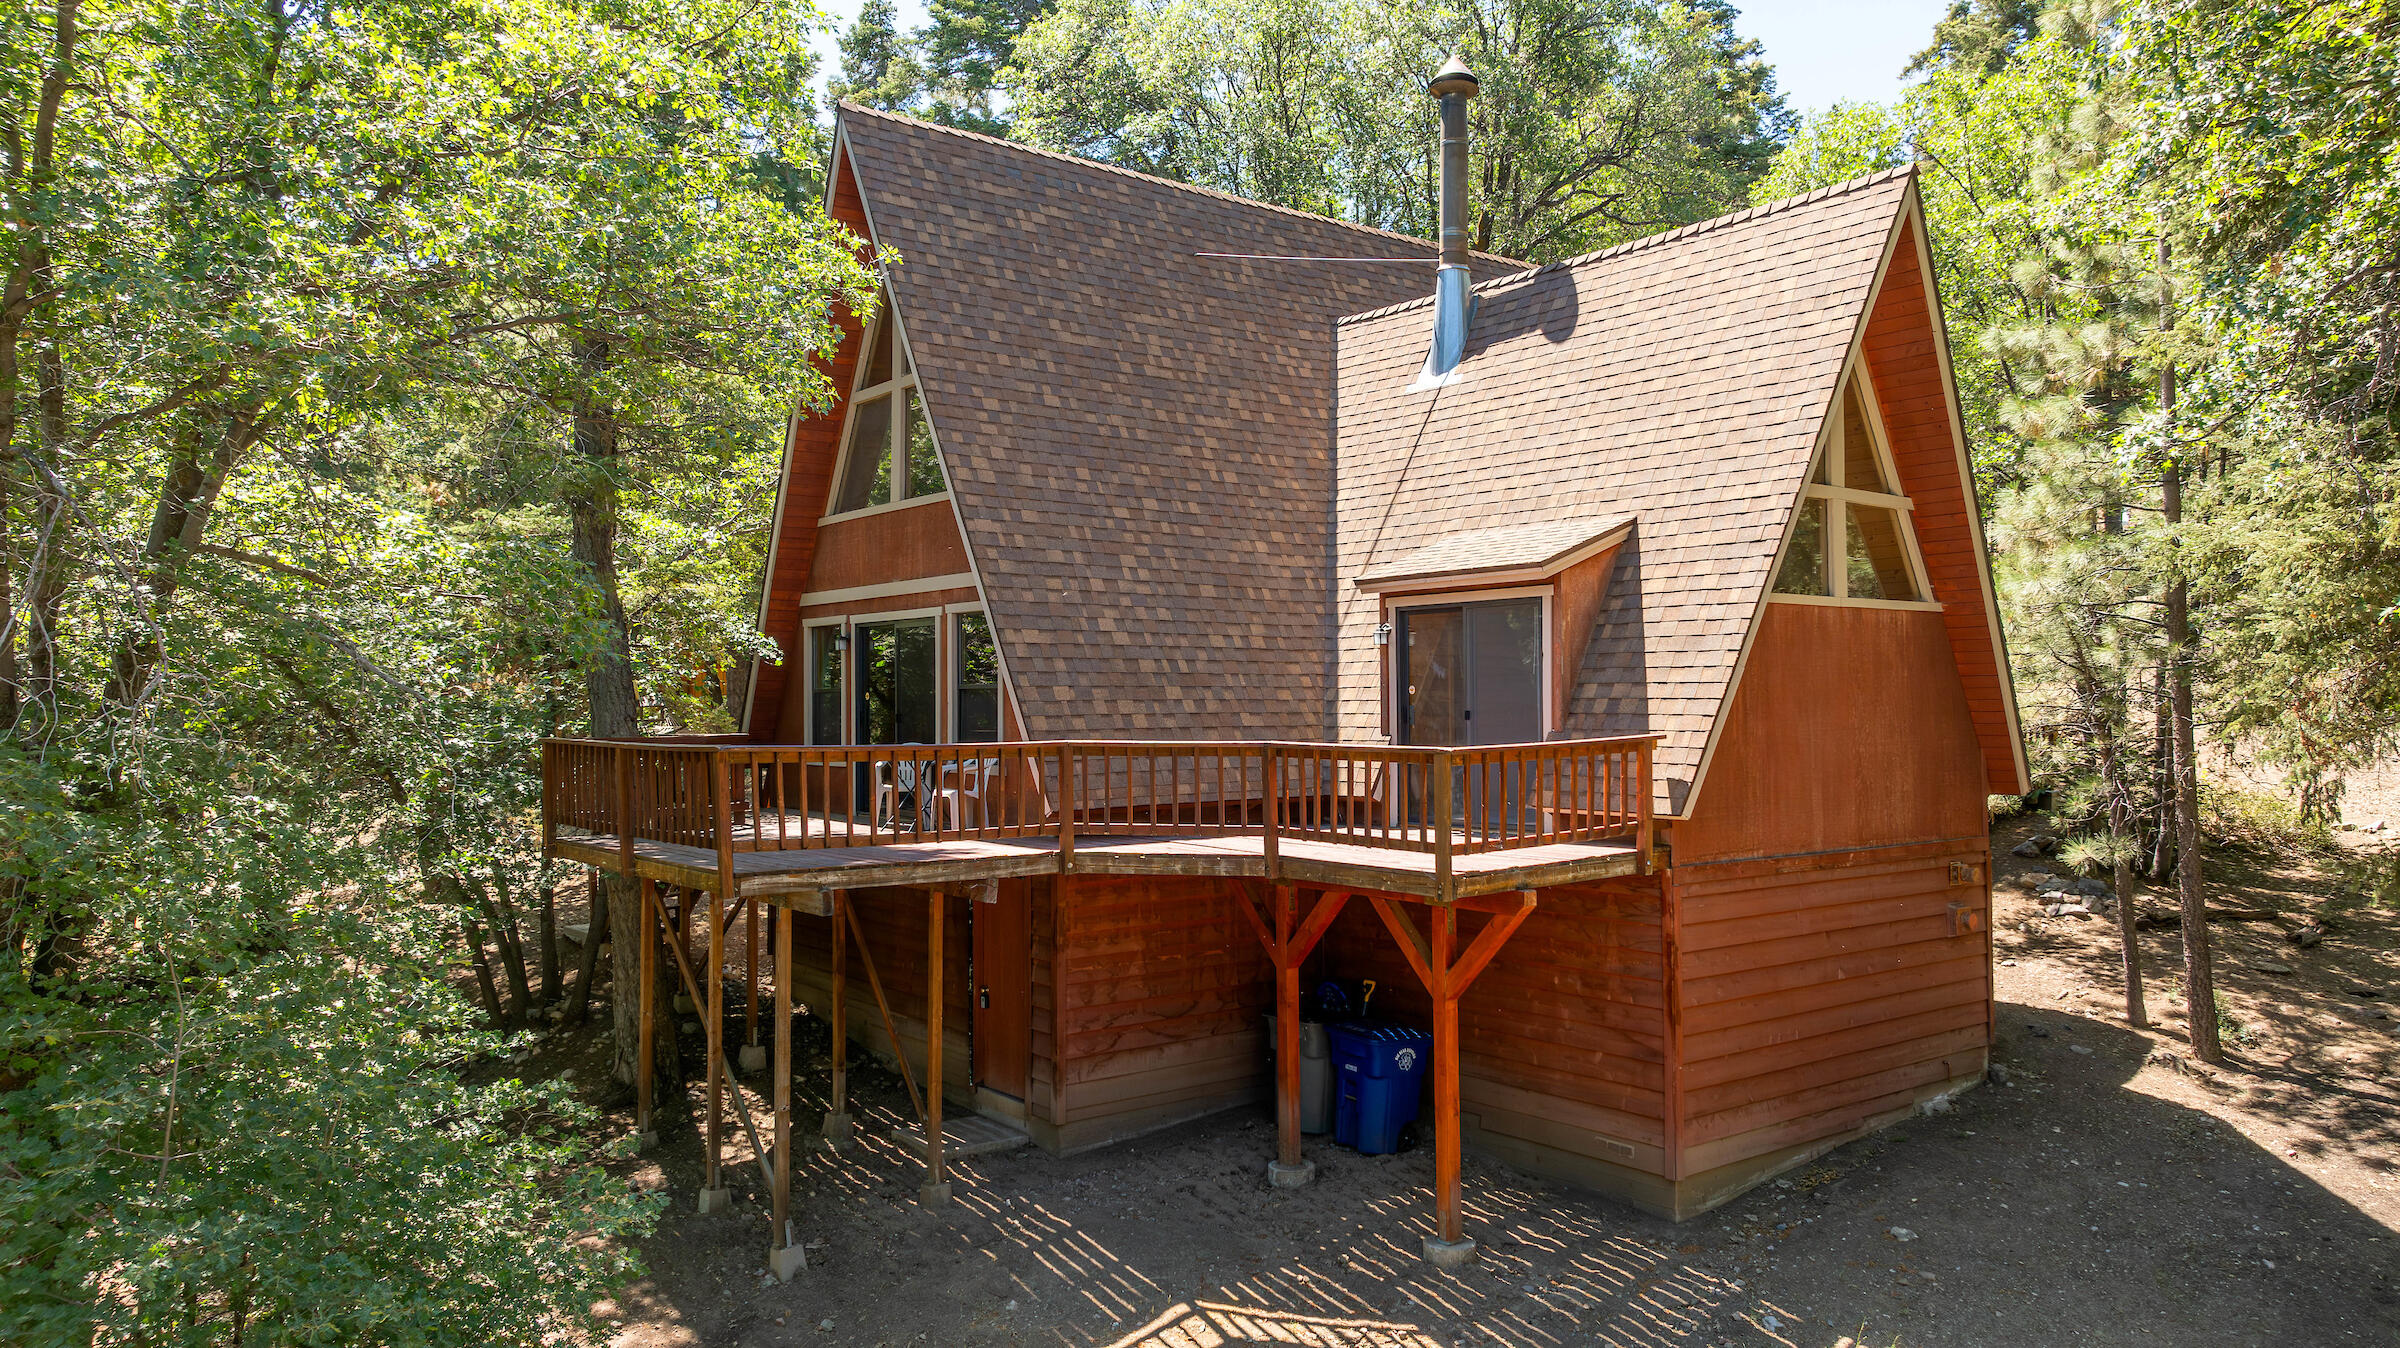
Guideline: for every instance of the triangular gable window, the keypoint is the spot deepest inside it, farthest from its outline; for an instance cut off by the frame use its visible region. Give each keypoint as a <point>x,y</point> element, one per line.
<point>888,455</point>
<point>1851,540</point>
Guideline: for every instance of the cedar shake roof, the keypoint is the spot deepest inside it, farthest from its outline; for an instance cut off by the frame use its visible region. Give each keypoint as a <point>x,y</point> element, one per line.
<point>1537,547</point>
<point>1681,380</point>
<point>1140,441</point>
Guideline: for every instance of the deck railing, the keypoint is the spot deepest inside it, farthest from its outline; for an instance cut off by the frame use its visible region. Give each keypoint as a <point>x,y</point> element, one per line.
<point>730,797</point>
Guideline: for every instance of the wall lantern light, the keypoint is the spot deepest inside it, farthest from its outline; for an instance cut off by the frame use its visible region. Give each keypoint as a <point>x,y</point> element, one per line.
<point>1383,634</point>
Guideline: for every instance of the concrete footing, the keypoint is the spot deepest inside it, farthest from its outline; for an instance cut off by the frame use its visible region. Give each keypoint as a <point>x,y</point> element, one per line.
<point>645,1141</point>
<point>684,1005</point>
<point>715,1200</point>
<point>1291,1176</point>
<point>838,1130</point>
<point>1448,1253</point>
<point>934,1195</point>
<point>752,1060</point>
<point>787,1262</point>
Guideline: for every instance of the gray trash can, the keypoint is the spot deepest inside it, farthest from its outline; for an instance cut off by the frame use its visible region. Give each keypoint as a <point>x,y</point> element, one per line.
<point>1316,1075</point>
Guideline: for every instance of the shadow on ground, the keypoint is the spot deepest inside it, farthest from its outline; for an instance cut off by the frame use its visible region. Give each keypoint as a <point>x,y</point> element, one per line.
<point>2071,1205</point>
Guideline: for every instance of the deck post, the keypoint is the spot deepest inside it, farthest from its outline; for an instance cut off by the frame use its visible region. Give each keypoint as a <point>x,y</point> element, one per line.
<point>1446,975</point>
<point>1290,1170</point>
<point>647,937</point>
<point>753,1056</point>
<point>1448,1247</point>
<point>714,1196</point>
<point>936,1189</point>
<point>837,1015</point>
<point>785,1256</point>
<point>720,907</point>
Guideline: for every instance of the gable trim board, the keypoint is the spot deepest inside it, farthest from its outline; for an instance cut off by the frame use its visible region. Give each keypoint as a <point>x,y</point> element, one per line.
<point>1955,414</point>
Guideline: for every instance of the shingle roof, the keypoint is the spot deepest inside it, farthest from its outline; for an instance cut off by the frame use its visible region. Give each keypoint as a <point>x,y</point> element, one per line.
<point>1541,546</point>
<point>1140,440</point>
<point>1681,379</point>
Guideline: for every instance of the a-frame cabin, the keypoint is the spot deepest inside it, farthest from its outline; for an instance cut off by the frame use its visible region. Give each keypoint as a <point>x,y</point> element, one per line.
<point>1642,671</point>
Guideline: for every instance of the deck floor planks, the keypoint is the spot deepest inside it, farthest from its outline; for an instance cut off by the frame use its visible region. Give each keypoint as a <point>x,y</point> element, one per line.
<point>804,872</point>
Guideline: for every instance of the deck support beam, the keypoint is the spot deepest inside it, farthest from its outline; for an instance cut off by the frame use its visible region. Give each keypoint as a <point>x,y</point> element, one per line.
<point>836,1130</point>
<point>645,1129</point>
<point>714,1196</point>
<point>1446,974</point>
<point>936,1189</point>
<point>754,1056</point>
<point>785,1255</point>
<point>1288,946</point>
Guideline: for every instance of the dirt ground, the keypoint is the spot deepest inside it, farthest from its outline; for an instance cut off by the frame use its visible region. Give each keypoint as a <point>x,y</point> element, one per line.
<point>2102,1189</point>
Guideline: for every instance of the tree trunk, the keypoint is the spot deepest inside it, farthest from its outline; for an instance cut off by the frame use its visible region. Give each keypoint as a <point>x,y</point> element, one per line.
<point>548,932</point>
<point>2199,975</point>
<point>483,972</point>
<point>512,958</point>
<point>178,521</point>
<point>595,935</point>
<point>608,683</point>
<point>2162,835</point>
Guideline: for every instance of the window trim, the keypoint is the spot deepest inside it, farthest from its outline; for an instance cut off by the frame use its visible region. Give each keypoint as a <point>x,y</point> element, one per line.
<point>1393,604</point>
<point>1829,453</point>
<point>808,701</point>
<point>900,386</point>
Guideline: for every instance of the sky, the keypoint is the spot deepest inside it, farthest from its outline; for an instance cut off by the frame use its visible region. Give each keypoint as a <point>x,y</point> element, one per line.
<point>1824,51</point>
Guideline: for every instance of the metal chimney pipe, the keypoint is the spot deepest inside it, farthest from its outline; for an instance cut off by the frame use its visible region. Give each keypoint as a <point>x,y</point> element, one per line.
<point>1454,84</point>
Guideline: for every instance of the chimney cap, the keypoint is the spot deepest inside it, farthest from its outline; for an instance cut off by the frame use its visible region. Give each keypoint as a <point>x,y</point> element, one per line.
<point>1454,78</point>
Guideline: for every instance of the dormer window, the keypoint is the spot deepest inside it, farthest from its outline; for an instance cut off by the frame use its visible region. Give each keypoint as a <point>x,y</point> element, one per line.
<point>888,456</point>
<point>1851,540</point>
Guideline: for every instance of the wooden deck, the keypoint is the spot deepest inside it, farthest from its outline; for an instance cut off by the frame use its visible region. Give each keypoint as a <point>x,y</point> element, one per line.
<point>799,877</point>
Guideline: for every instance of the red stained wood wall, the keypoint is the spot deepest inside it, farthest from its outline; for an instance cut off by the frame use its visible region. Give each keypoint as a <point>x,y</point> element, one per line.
<point>1824,985</point>
<point>1562,1040</point>
<point>1160,991</point>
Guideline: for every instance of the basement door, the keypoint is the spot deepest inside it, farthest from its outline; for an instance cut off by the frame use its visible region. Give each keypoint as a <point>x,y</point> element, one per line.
<point>1003,1043</point>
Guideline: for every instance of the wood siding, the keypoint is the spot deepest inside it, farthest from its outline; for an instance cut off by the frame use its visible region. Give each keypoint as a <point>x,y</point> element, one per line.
<point>1562,1041</point>
<point>1162,992</point>
<point>908,543</point>
<point>1849,730</point>
<point>1822,997</point>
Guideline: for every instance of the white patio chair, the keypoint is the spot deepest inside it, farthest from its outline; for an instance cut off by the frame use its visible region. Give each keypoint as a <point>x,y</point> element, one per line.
<point>968,798</point>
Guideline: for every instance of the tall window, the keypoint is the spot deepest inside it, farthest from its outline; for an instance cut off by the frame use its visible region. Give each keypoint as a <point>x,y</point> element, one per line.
<point>824,685</point>
<point>1852,539</point>
<point>897,681</point>
<point>976,714</point>
<point>888,452</point>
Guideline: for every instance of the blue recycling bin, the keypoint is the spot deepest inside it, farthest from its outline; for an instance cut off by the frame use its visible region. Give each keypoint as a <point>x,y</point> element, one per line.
<point>1379,1080</point>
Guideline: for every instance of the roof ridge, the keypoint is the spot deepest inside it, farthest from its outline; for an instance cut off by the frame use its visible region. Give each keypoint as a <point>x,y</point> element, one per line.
<point>1698,227</point>
<point>1079,161</point>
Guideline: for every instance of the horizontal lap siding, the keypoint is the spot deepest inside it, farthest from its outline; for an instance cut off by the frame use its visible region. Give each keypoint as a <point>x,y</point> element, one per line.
<point>1562,1044</point>
<point>1162,987</point>
<point>893,922</point>
<point>1816,1001</point>
<point>1042,1071</point>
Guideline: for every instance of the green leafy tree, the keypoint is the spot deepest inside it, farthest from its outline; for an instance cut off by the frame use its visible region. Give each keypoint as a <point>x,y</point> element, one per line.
<point>1595,123</point>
